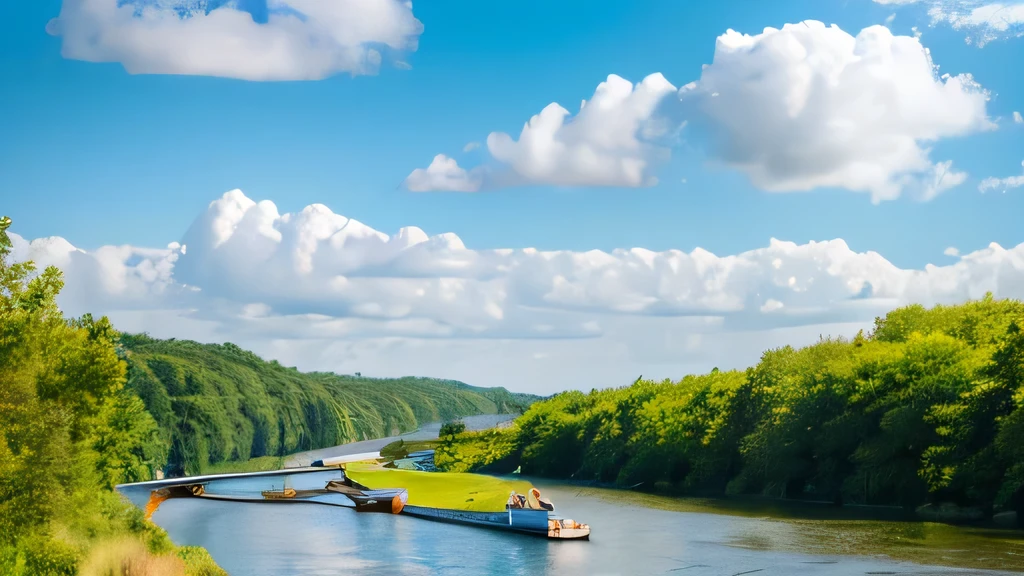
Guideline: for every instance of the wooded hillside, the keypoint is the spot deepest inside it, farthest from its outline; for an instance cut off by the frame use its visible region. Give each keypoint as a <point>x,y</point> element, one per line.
<point>218,402</point>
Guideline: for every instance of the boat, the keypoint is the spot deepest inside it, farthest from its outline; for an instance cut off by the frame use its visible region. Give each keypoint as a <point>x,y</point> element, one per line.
<point>361,482</point>
<point>278,494</point>
<point>473,499</point>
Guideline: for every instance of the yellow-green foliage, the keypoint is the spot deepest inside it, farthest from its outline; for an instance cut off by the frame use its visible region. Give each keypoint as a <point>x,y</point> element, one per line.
<point>68,431</point>
<point>198,562</point>
<point>128,556</point>
<point>448,490</point>
<point>930,406</point>
<point>474,450</point>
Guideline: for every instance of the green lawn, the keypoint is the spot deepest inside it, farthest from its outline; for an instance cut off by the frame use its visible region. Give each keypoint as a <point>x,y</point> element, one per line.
<point>450,490</point>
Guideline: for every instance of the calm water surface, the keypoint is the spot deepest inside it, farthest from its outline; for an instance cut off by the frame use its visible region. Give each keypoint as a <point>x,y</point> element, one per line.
<point>631,534</point>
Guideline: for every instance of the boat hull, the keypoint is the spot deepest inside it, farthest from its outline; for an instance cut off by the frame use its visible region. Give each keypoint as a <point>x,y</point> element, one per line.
<point>526,521</point>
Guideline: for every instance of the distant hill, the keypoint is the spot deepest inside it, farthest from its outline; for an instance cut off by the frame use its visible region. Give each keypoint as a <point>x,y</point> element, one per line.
<point>218,402</point>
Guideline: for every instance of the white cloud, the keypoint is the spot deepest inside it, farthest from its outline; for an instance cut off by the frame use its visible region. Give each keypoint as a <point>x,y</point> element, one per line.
<point>301,39</point>
<point>983,22</point>
<point>470,146</point>
<point>444,173</point>
<point>811,106</point>
<point>610,142</point>
<point>322,291</point>
<point>1003,184</point>
<point>796,109</point>
<point>1017,117</point>
<point>951,251</point>
<point>941,178</point>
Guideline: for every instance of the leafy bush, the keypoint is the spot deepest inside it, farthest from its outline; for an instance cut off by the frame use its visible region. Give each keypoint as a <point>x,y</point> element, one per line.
<point>452,428</point>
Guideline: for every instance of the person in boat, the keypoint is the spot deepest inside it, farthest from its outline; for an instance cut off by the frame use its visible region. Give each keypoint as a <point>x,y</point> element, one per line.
<point>531,501</point>
<point>516,500</point>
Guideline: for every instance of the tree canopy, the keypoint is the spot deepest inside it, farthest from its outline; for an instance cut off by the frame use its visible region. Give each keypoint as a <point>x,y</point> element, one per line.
<point>69,431</point>
<point>928,407</point>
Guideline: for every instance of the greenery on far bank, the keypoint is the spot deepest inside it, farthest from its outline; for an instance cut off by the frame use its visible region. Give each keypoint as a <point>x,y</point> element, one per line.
<point>219,406</point>
<point>927,408</point>
<point>70,431</point>
<point>260,464</point>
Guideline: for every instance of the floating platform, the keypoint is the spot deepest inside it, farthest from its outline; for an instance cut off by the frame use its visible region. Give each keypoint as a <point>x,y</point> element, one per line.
<point>470,499</point>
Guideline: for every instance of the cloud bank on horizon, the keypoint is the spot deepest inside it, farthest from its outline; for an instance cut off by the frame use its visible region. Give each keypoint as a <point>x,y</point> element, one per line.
<point>300,39</point>
<point>803,107</point>
<point>323,291</point>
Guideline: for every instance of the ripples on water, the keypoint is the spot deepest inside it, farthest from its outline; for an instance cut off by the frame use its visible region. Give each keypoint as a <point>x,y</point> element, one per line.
<point>632,534</point>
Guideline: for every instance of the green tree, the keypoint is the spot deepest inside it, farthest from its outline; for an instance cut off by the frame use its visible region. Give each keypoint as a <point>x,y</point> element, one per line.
<point>68,430</point>
<point>929,407</point>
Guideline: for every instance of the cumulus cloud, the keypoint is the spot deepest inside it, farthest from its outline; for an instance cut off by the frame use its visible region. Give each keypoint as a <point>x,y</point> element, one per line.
<point>1004,184</point>
<point>951,251</point>
<point>796,109</point>
<point>327,292</point>
<point>300,39</point>
<point>444,173</point>
<point>1017,118</point>
<point>812,106</point>
<point>611,141</point>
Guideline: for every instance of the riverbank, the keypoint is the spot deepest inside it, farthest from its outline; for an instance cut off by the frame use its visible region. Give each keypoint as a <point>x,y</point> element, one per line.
<point>426,432</point>
<point>704,536</point>
<point>751,505</point>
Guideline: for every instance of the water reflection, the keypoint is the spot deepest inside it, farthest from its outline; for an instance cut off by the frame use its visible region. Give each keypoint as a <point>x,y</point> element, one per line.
<point>800,530</point>
<point>264,539</point>
<point>632,534</point>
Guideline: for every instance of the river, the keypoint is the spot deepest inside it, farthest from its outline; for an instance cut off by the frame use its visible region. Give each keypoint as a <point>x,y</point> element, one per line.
<point>631,534</point>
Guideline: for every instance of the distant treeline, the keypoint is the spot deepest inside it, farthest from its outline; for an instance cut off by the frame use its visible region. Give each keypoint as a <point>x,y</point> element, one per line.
<point>927,408</point>
<point>218,402</point>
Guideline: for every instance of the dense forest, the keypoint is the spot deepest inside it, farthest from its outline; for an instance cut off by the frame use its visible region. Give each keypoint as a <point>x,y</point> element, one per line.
<point>217,402</point>
<point>70,431</point>
<point>927,409</point>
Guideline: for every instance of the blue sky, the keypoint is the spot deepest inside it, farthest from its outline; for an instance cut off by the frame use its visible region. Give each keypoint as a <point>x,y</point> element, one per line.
<point>121,162</point>
<point>100,156</point>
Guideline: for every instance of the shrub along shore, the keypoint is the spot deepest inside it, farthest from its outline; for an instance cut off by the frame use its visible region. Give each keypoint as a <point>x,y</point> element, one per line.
<point>926,412</point>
